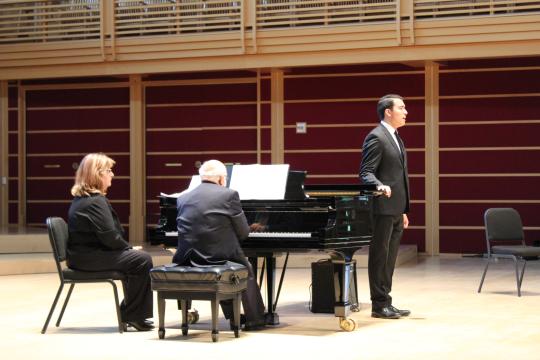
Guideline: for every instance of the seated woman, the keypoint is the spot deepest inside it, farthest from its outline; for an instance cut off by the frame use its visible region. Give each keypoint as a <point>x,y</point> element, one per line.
<point>96,240</point>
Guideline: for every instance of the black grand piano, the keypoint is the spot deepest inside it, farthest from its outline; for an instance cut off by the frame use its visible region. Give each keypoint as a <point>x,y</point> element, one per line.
<point>335,219</point>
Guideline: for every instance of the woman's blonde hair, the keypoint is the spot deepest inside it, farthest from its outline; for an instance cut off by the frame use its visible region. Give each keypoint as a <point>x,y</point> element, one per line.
<point>88,178</point>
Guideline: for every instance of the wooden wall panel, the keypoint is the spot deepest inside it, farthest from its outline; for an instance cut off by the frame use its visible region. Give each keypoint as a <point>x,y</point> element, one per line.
<point>462,241</point>
<point>495,161</point>
<point>78,142</point>
<point>339,107</point>
<point>13,143</point>
<point>201,93</point>
<point>490,188</point>
<point>490,82</point>
<point>73,118</point>
<point>349,162</point>
<point>13,183</point>
<point>200,116</point>
<point>64,124</point>
<point>414,236</point>
<point>191,122</point>
<point>493,135</point>
<point>488,149</point>
<point>486,109</point>
<point>473,214</point>
<point>346,87</point>
<point>184,164</point>
<point>92,97</point>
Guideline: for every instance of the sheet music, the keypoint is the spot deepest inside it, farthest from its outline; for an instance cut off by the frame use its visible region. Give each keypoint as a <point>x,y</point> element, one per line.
<point>260,182</point>
<point>195,181</point>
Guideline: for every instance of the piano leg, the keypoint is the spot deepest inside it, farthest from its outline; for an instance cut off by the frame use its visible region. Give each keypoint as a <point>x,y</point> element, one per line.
<point>343,274</point>
<point>272,318</point>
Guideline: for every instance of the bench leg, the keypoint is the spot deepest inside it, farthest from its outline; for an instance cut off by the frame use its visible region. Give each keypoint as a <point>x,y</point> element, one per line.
<point>183,305</point>
<point>215,314</point>
<point>161,315</point>
<point>236,308</point>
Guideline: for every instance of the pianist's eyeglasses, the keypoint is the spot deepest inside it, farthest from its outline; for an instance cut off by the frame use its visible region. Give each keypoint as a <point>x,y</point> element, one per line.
<point>108,171</point>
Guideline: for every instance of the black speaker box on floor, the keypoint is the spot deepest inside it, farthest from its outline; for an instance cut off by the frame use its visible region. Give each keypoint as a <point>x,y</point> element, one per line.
<point>322,287</point>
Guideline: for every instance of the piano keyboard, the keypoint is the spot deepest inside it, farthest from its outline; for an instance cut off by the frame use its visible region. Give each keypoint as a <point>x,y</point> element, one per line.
<point>280,235</point>
<point>299,235</point>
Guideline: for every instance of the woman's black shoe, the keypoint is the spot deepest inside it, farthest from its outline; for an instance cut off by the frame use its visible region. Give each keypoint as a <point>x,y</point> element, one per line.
<point>140,325</point>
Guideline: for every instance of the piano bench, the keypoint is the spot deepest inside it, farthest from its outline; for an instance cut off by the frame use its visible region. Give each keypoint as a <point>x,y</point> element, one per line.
<point>213,283</point>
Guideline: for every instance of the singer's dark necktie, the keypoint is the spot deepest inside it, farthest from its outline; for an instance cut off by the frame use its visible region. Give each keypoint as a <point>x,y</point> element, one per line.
<point>400,143</point>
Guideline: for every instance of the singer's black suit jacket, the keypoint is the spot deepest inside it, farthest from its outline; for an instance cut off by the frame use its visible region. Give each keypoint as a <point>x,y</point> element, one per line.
<point>383,164</point>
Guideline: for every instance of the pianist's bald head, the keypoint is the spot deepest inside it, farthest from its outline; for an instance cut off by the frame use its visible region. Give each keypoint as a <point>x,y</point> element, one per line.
<point>214,171</point>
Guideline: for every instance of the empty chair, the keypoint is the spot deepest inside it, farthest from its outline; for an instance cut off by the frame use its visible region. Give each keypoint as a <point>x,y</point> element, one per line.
<point>504,227</point>
<point>58,236</point>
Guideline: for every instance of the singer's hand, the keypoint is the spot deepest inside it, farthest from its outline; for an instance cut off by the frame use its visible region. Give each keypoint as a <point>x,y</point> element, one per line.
<point>385,190</point>
<point>405,221</point>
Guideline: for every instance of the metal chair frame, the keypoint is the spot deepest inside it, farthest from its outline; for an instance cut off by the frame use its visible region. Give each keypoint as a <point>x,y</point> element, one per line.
<point>59,257</point>
<point>515,228</point>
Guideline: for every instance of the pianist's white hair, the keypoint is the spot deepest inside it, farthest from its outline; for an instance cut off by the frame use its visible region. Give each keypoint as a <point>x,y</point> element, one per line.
<point>212,170</point>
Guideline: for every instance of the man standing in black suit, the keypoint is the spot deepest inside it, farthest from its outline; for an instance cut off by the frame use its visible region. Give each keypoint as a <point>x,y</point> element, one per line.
<point>384,163</point>
<point>211,225</point>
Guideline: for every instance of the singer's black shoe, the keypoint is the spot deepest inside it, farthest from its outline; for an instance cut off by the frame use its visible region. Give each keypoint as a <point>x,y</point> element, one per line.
<point>385,313</point>
<point>400,312</point>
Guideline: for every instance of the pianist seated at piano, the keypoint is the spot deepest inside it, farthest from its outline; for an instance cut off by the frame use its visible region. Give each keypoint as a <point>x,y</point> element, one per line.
<point>211,225</point>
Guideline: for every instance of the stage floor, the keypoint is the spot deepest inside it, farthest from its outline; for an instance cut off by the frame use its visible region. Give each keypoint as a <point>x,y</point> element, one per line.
<point>449,320</point>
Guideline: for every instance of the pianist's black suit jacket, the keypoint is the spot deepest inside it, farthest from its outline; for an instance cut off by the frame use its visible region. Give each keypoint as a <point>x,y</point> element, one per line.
<point>211,225</point>
<point>382,164</point>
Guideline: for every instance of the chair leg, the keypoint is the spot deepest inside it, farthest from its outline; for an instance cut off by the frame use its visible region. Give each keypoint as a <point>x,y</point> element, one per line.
<point>522,273</point>
<point>483,275</point>
<point>65,304</point>
<point>117,306</point>
<point>60,288</point>
<point>518,280</point>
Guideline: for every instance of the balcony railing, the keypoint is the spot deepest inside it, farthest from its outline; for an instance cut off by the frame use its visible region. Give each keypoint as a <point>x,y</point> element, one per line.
<point>24,21</point>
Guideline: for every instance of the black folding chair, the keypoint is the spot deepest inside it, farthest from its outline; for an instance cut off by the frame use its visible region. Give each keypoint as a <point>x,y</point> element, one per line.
<point>503,226</point>
<point>58,236</point>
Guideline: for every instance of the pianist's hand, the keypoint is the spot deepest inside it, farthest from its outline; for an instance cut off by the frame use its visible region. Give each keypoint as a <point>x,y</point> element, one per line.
<point>386,190</point>
<point>257,227</point>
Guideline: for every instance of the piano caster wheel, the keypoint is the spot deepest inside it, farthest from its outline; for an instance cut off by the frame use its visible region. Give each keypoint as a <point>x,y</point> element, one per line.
<point>193,317</point>
<point>161,333</point>
<point>347,324</point>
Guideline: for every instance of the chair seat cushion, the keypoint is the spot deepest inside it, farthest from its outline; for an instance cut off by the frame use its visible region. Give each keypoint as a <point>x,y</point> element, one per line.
<point>71,274</point>
<point>228,278</point>
<point>517,250</point>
